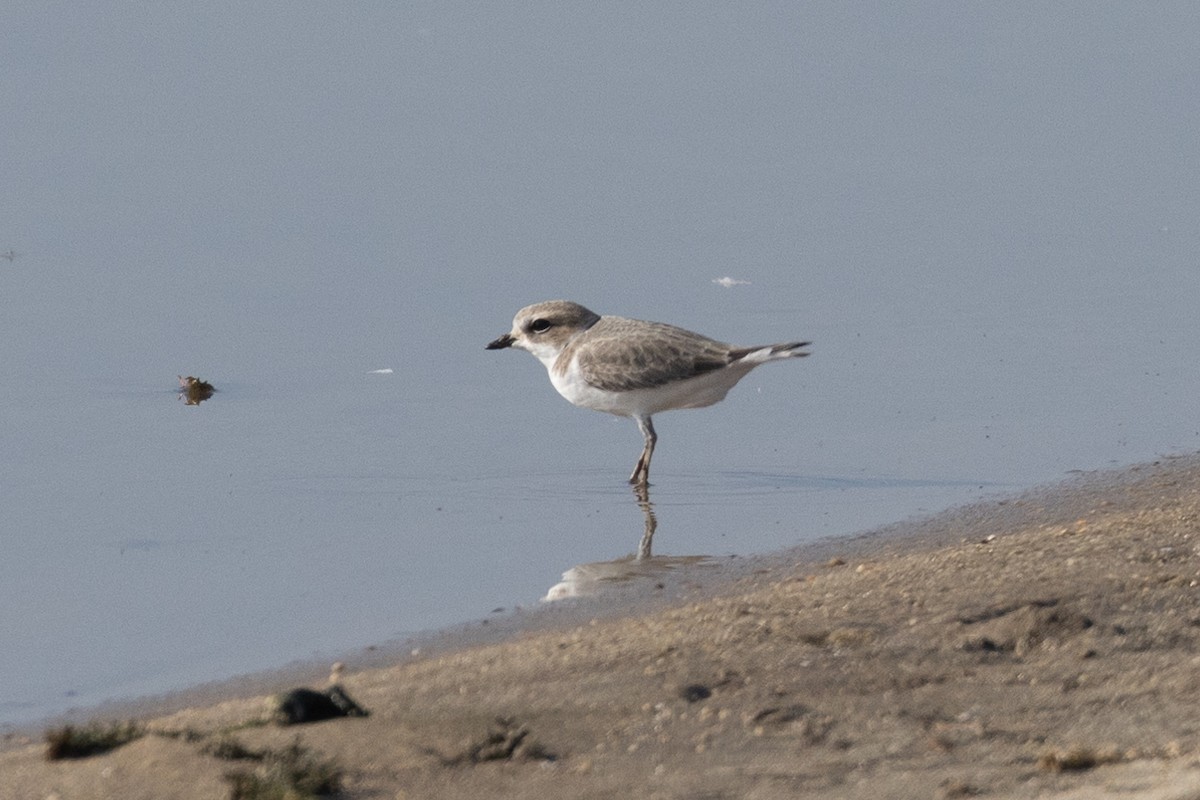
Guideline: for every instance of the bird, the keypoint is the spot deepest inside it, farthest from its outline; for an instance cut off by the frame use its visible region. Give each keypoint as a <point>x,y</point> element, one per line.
<point>633,368</point>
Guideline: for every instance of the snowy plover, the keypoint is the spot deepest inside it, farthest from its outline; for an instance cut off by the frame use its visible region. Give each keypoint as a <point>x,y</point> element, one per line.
<point>632,368</point>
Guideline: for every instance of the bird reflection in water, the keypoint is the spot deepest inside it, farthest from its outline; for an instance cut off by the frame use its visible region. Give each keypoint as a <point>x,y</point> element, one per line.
<point>591,579</point>
<point>194,391</point>
<point>642,492</point>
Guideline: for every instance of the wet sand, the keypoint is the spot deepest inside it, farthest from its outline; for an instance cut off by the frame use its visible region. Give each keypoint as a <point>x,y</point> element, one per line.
<point>1043,646</point>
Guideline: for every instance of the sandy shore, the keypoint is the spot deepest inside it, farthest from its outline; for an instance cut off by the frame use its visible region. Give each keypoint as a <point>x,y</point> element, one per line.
<point>1047,646</point>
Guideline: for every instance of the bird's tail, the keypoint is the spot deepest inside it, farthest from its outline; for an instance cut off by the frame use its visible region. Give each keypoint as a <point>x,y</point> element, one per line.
<point>770,352</point>
<point>789,350</point>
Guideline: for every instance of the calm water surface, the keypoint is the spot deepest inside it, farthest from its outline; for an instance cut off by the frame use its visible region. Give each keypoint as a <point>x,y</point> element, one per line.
<point>987,220</point>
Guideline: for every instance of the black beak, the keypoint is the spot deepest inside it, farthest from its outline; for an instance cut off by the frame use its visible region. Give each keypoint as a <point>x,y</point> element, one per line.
<point>499,344</point>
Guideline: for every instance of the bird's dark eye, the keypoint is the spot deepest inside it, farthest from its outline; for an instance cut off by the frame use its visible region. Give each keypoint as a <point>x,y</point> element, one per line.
<point>539,326</point>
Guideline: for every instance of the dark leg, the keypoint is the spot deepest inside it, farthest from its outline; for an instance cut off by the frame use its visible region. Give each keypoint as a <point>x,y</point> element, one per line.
<point>641,470</point>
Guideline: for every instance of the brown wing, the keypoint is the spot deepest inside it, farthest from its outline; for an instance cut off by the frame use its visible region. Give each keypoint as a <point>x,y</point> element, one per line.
<point>624,354</point>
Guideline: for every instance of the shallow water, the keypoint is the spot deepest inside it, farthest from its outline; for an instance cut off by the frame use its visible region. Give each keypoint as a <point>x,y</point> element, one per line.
<point>986,221</point>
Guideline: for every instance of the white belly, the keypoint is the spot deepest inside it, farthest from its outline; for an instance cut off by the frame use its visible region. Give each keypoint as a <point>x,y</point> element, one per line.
<point>703,390</point>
